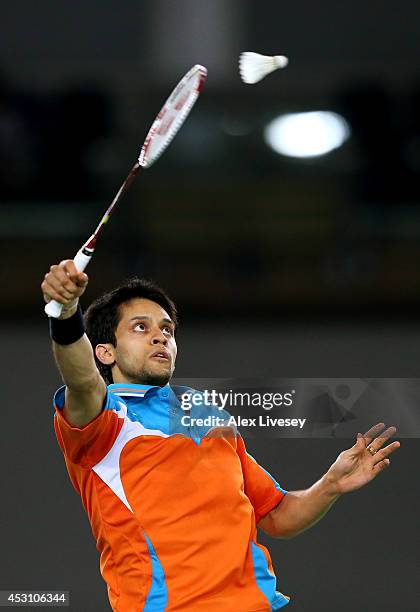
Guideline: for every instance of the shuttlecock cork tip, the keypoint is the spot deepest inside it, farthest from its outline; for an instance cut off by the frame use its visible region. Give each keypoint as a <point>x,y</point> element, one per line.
<point>281,61</point>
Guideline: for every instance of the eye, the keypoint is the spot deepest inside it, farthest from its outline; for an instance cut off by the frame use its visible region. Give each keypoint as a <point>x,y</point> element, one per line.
<point>167,330</point>
<point>140,327</point>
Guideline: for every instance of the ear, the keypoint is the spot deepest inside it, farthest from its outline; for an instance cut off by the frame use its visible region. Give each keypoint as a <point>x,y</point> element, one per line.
<point>105,354</point>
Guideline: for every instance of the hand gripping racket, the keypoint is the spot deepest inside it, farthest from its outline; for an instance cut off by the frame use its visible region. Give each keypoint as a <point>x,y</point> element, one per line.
<point>166,124</point>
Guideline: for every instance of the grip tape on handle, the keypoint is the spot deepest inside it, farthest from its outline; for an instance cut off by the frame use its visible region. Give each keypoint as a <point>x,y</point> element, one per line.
<point>53,308</point>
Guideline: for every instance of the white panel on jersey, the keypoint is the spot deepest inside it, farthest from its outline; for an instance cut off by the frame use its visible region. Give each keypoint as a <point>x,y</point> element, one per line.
<point>108,469</point>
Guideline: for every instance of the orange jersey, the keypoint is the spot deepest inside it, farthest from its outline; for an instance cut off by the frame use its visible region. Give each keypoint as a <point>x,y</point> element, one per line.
<point>173,506</point>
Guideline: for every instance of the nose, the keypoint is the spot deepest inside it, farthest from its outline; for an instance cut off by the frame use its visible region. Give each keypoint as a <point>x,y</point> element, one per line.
<point>159,337</point>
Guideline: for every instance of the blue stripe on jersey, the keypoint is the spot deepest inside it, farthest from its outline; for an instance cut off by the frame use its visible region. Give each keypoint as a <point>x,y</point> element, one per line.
<point>157,597</point>
<point>276,484</point>
<point>265,580</point>
<point>59,397</point>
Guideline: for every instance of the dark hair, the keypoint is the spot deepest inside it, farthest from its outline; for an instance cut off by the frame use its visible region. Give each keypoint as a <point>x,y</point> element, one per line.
<point>104,314</point>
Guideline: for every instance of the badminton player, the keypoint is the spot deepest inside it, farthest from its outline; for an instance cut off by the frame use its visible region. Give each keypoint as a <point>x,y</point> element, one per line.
<point>174,508</point>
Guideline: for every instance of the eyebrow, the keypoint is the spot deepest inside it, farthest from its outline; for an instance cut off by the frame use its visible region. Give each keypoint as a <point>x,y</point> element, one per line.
<point>147,318</point>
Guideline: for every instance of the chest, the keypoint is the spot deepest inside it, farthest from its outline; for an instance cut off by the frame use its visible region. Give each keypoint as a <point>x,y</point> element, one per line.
<point>178,475</point>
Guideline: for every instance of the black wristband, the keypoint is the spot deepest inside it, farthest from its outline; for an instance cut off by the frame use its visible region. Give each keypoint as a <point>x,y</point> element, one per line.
<point>67,331</point>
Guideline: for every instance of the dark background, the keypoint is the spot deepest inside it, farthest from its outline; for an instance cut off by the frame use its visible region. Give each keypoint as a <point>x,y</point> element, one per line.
<point>280,267</point>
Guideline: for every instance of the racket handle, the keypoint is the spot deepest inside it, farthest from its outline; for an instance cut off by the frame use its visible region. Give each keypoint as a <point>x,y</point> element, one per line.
<point>54,308</point>
<point>81,260</point>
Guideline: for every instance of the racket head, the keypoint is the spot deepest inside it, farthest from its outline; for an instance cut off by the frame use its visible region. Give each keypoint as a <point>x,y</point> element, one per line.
<point>172,115</point>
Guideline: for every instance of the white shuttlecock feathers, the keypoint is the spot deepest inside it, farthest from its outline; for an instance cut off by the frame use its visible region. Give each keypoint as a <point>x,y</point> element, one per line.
<point>253,66</point>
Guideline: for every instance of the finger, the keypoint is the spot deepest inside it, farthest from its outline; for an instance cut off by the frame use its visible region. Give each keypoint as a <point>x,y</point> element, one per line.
<point>385,452</point>
<point>62,284</point>
<point>51,294</point>
<point>47,297</point>
<point>380,440</point>
<point>360,442</point>
<point>381,466</point>
<point>373,432</point>
<point>79,278</point>
<point>71,271</point>
<point>73,280</point>
<point>69,266</point>
<point>49,291</point>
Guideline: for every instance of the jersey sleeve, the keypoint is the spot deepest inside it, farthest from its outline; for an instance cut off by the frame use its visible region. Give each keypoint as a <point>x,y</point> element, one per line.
<point>263,490</point>
<point>86,446</point>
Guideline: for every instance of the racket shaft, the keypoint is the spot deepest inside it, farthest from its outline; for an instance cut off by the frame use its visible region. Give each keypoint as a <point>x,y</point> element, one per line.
<point>84,255</point>
<point>130,178</point>
<point>81,260</point>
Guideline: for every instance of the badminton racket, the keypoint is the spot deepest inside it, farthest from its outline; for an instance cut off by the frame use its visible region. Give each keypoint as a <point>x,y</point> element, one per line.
<point>166,124</point>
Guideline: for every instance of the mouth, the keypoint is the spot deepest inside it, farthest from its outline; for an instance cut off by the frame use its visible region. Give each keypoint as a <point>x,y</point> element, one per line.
<point>161,356</point>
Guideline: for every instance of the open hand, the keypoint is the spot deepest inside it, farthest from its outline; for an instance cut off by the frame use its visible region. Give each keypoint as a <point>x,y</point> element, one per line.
<point>362,462</point>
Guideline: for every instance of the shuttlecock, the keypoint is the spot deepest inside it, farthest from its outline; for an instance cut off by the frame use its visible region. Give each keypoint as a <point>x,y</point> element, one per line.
<point>253,66</point>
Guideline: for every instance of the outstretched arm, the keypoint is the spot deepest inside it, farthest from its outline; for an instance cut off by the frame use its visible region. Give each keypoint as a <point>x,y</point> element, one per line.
<point>85,388</point>
<point>353,469</point>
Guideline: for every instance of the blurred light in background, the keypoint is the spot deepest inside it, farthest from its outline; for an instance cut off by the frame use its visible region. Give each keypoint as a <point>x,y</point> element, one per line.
<point>307,134</point>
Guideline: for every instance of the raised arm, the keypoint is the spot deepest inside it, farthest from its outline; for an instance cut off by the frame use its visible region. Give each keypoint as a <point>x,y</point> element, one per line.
<point>85,388</point>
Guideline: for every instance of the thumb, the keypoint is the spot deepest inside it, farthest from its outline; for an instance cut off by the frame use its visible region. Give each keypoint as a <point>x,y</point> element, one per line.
<point>82,279</point>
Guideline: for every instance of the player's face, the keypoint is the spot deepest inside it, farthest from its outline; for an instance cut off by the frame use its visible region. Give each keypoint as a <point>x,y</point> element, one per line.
<point>146,349</point>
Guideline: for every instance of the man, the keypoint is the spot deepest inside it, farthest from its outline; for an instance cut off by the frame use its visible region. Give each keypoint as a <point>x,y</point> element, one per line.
<point>173,508</point>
